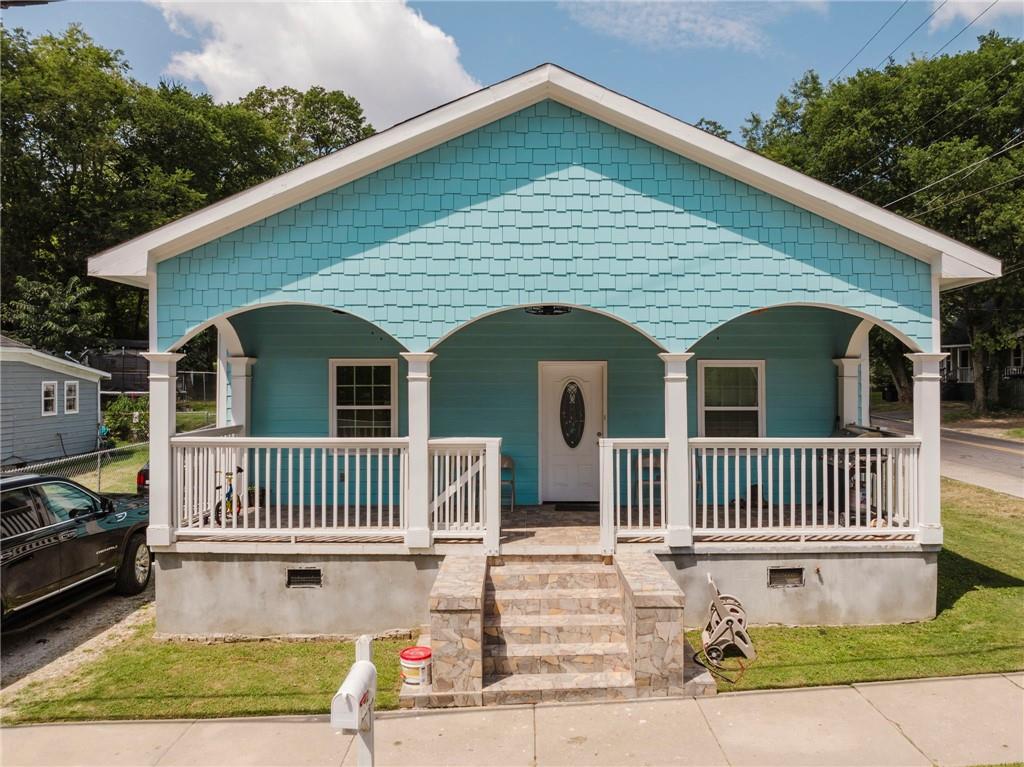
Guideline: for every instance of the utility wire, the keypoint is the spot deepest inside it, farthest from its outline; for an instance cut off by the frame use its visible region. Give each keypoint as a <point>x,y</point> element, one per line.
<point>936,140</point>
<point>914,32</point>
<point>861,49</point>
<point>1006,148</point>
<point>967,196</point>
<point>1013,62</point>
<point>969,24</point>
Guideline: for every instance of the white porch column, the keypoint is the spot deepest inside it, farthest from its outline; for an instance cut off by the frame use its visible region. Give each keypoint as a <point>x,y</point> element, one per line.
<point>927,428</point>
<point>241,391</point>
<point>847,382</point>
<point>679,531</point>
<point>162,391</point>
<point>417,502</point>
<point>222,380</point>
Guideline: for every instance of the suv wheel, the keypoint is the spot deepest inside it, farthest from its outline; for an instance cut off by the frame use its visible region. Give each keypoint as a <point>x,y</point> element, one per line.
<point>136,567</point>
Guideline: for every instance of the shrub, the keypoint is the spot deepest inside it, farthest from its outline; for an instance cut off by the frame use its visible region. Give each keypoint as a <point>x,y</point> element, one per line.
<point>128,418</point>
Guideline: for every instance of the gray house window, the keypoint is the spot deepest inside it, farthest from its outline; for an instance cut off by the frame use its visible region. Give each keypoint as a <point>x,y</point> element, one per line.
<point>49,398</point>
<point>70,397</point>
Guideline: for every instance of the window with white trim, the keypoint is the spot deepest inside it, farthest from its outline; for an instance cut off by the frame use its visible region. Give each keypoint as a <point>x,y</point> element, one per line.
<point>49,398</point>
<point>730,398</point>
<point>364,399</point>
<point>70,397</point>
<point>1017,356</point>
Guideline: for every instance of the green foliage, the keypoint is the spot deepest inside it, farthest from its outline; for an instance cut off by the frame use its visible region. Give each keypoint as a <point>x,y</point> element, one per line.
<point>53,316</point>
<point>92,157</point>
<point>128,418</point>
<point>884,134</point>
<point>311,124</point>
<point>713,127</point>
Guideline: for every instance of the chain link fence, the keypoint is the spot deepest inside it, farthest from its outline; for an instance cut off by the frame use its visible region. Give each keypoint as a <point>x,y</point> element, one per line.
<point>105,471</point>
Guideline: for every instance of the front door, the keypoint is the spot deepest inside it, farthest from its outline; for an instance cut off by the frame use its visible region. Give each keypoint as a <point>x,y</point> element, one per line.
<point>572,418</point>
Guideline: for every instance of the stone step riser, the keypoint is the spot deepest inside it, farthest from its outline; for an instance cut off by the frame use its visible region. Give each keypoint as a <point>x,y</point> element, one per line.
<point>534,559</point>
<point>577,695</point>
<point>532,581</point>
<point>556,664</point>
<point>554,606</point>
<point>554,634</point>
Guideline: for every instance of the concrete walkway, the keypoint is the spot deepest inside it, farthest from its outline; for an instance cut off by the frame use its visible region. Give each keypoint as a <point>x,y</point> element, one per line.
<point>954,721</point>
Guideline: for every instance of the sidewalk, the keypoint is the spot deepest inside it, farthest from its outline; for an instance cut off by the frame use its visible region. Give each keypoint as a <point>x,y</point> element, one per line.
<point>954,721</point>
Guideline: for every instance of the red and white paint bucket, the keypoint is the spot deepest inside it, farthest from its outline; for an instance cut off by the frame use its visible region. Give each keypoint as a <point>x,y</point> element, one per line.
<point>415,665</point>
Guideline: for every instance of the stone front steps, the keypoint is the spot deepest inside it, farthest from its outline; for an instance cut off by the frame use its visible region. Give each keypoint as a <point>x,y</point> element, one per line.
<point>556,627</point>
<point>554,630</point>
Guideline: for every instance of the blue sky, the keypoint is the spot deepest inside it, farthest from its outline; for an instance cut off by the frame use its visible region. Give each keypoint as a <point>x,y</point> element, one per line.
<point>720,60</point>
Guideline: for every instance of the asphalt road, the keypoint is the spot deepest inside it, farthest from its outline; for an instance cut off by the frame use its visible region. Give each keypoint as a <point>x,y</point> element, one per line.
<point>997,464</point>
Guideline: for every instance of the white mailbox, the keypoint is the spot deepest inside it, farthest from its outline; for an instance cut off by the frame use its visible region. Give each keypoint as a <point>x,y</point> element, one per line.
<point>352,705</point>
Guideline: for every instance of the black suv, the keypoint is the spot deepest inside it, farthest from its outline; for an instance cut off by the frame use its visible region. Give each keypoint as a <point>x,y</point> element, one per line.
<point>58,538</point>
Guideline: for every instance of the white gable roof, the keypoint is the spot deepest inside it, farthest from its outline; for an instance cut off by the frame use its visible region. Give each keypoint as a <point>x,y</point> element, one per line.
<point>15,351</point>
<point>132,262</point>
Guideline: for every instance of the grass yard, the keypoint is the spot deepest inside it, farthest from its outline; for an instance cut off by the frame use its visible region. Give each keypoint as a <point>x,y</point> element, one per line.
<point>980,622</point>
<point>980,628</point>
<point>115,473</point>
<point>190,420</point>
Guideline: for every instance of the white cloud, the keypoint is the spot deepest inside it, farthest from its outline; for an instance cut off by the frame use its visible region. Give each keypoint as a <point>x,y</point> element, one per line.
<point>385,54</point>
<point>964,11</point>
<point>658,24</point>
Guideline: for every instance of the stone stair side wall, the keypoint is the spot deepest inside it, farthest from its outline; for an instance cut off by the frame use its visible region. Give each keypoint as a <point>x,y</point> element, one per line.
<point>456,631</point>
<point>653,610</point>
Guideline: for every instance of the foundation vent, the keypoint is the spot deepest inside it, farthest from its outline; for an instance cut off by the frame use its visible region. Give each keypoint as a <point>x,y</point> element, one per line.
<point>785,577</point>
<point>305,578</point>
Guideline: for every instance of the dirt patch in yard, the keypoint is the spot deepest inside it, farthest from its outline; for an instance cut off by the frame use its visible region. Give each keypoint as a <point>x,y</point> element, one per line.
<point>71,638</point>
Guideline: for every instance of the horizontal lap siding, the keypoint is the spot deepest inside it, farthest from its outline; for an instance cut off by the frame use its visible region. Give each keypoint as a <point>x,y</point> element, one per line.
<point>484,382</point>
<point>798,345</point>
<point>27,434</point>
<point>290,378</point>
<point>544,206</point>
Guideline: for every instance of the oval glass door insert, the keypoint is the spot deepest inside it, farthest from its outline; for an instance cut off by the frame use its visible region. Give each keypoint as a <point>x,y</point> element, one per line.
<point>572,414</point>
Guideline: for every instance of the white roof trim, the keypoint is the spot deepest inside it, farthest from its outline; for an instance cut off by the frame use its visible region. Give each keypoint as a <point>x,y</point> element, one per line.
<point>49,362</point>
<point>133,260</point>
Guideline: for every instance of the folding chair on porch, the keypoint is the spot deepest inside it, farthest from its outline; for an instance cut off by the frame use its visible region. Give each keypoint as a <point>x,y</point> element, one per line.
<point>508,464</point>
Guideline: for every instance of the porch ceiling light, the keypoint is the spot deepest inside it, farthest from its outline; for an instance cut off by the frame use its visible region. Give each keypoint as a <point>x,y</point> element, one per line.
<point>548,310</point>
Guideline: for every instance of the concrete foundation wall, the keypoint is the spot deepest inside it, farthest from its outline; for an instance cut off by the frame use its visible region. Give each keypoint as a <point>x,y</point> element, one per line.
<point>840,588</point>
<point>246,594</point>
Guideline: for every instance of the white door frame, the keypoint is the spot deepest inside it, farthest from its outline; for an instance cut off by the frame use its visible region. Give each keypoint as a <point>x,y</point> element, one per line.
<point>540,411</point>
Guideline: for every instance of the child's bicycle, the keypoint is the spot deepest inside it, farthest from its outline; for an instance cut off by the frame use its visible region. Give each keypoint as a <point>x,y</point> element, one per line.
<point>228,504</point>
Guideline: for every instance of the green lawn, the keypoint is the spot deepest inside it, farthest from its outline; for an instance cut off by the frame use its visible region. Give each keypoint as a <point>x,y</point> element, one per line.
<point>194,419</point>
<point>980,622</point>
<point>979,628</point>
<point>116,472</point>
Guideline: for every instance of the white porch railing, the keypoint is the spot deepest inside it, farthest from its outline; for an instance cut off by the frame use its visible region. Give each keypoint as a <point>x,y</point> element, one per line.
<point>818,487</point>
<point>634,474</point>
<point>465,489</point>
<point>271,486</point>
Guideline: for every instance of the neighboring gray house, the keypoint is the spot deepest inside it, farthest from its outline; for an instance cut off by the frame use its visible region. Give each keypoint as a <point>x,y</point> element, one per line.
<point>49,407</point>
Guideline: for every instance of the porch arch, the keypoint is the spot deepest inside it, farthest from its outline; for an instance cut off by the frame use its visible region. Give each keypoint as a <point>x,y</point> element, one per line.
<point>574,307</point>
<point>913,345</point>
<point>223,321</point>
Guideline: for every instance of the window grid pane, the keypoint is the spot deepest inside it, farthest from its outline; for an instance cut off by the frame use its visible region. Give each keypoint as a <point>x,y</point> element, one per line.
<point>363,400</point>
<point>731,423</point>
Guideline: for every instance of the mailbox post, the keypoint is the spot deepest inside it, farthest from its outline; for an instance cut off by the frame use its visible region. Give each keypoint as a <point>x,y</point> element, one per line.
<point>352,705</point>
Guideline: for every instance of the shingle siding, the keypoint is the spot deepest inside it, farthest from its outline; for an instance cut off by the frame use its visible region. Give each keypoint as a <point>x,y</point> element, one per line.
<point>30,436</point>
<point>546,205</point>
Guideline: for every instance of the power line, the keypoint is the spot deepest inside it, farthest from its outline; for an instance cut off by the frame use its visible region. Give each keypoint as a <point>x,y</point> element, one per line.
<point>1013,62</point>
<point>967,196</point>
<point>969,24</point>
<point>1006,148</point>
<point>967,119</point>
<point>861,50</point>
<point>914,32</point>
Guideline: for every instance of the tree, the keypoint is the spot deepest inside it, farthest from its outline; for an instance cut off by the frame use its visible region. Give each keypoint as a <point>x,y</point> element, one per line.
<point>932,139</point>
<point>92,158</point>
<point>713,127</point>
<point>311,124</point>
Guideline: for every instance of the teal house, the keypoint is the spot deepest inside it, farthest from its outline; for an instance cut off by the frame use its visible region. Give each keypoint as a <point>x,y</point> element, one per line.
<point>541,320</point>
